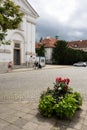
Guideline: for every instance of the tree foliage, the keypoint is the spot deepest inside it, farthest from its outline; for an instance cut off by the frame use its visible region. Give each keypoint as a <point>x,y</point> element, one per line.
<point>67,56</point>
<point>59,51</point>
<point>10,17</point>
<point>41,51</point>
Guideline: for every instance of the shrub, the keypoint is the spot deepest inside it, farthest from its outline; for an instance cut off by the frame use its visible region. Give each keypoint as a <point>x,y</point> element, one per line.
<point>78,98</point>
<point>61,100</point>
<point>48,92</point>
<point>66,107</point>
<point>46,105</point>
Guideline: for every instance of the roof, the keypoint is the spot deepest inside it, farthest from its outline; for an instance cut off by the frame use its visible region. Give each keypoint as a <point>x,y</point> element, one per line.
<point>78,44</point>
<point>38,45</point>
<point>33,10</point>
<point>47,42</point>
<point>26,7</point>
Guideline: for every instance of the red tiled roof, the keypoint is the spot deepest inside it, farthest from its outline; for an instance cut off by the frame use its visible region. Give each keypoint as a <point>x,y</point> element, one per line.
<point>47,42</point>
<point>38,45</point>
<point>78,44</point>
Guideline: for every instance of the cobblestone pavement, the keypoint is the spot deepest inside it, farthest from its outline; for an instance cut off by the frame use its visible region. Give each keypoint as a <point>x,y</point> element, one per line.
<point>19,94</point>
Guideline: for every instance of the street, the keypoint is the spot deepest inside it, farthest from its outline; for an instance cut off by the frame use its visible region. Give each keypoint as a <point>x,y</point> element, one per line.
<point>28,85</point>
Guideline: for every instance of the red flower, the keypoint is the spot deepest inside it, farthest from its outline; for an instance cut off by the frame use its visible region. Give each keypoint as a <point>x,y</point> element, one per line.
<point>65,88</point>
<point>64,80</point>
<point>59,79</point>
<point>67,81</point>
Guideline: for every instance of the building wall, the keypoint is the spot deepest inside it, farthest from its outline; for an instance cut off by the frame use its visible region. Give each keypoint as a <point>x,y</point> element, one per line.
<point>48,55</point>
<point>24,35</point>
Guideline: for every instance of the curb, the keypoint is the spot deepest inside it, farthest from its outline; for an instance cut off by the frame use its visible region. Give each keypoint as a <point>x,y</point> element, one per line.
<point>31,69</point>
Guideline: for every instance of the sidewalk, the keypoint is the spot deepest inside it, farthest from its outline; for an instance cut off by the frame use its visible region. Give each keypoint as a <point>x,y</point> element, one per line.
<point>46,67</point>
<point>25,116</point>
<point>30,69</point>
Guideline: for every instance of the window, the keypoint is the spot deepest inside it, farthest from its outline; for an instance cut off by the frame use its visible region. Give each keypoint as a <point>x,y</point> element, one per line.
<point>75,45</point>
<point>17,45</point>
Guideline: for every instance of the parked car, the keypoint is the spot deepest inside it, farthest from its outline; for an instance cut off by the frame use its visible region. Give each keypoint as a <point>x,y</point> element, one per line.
<point>80,64</point>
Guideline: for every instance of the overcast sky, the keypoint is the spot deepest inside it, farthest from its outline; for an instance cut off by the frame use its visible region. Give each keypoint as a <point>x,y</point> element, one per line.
<point>65,18</point>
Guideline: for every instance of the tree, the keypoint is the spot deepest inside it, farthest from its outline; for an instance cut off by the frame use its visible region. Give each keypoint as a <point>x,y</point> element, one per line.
<point>56,37</point>
<point>67,56</point>
<point>59,52</point>
<point>41,39</point>
<point>10,17</point>
<point>41,51</point>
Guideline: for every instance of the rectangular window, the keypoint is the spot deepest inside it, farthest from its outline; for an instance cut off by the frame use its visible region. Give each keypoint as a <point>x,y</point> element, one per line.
<point>17,45</point>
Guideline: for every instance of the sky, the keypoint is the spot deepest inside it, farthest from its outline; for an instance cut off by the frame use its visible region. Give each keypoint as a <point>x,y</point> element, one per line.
<point>64,18</point>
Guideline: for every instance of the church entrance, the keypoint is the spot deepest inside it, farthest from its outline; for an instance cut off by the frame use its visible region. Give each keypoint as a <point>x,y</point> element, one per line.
<point>16,57</point>
<point>17,54</point>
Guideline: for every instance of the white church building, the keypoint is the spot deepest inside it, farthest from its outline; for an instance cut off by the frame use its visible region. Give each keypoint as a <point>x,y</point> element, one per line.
<point>22,47</point>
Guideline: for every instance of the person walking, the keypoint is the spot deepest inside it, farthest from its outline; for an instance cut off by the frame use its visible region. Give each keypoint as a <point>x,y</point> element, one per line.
<point>10,66</point>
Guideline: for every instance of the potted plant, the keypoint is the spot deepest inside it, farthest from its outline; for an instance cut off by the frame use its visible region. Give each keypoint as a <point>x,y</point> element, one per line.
<point>61,101</point>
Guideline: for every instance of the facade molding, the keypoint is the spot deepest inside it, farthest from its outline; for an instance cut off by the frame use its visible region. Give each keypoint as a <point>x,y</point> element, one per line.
<point>5,51</point>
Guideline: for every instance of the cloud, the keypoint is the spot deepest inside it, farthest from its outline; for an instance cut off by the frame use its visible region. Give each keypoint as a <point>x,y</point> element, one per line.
<point>65,18</point>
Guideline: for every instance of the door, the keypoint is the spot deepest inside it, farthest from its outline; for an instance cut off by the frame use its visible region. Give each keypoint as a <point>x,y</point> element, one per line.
<point>16,56</point>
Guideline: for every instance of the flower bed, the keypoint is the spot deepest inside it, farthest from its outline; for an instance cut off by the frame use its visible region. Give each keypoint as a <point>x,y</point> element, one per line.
<point>61,101</point>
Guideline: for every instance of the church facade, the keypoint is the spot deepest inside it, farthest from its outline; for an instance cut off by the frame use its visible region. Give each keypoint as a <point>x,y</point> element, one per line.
<point>22,47</point>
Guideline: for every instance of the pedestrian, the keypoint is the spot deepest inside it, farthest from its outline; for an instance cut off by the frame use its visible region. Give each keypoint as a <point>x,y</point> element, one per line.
<point>39,66</point>
<point>35,64</point>
<point>10,66</point>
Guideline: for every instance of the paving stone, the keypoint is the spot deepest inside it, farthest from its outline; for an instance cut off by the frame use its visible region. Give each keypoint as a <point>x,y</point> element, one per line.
<point>28,117</point>
<point>39,121</point>
<point>86,117</point>
<point>3,115</point>
<point>30,126</point>
<point>59,127</point>
<point>10,127</point>
<point>20,122</point>
<point>26,110</point>
<point>84,106</point>
<point>14,104</point>
<point>9,112</point>
<point>77,119</point>
<point>83,113</point>
<point>34,106</point>
<point>62,122</point>
<point>19,114</point>
<point>3,124</point>
<point>4,110</point>
<point>76,125</point>
<point>11,118</point>
<point>54,128</point>
<point>18,108</point>
<point>31,105</point>
<point>51,121</point>
<point>85,122</point>
<point>44,127</point>
<point>84,127</point>
<point>70,129</point>
<point>33,111</point>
